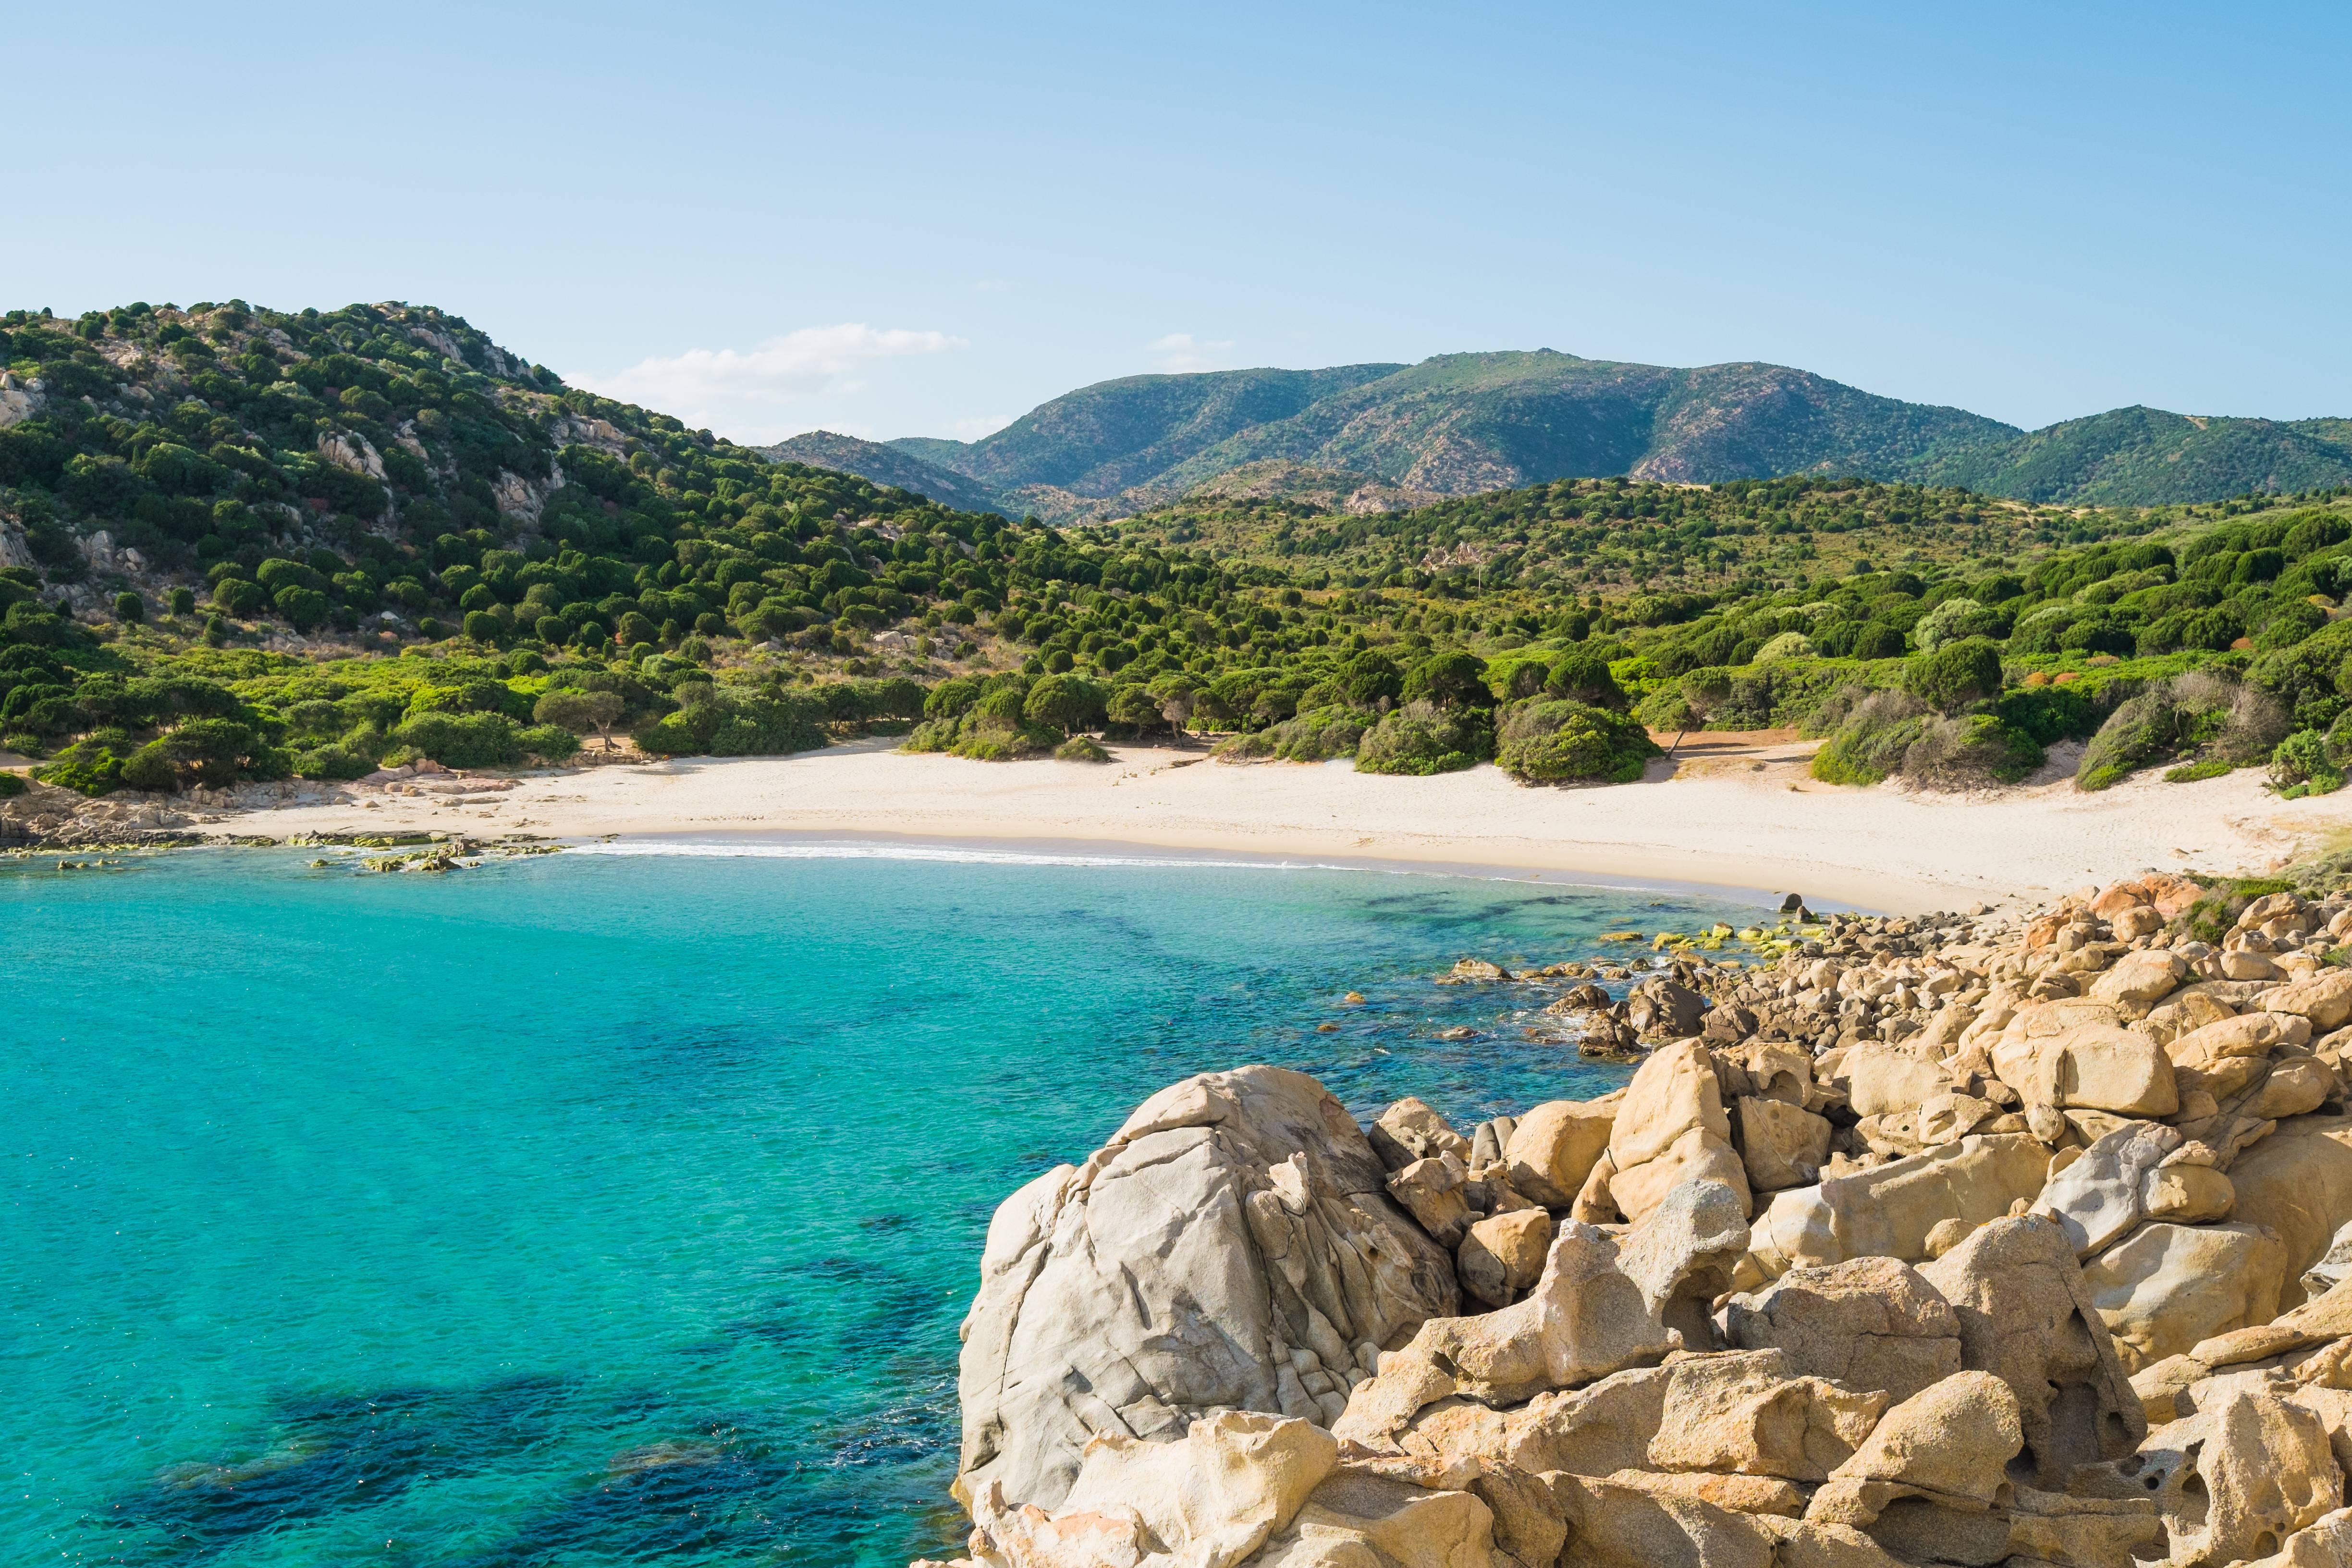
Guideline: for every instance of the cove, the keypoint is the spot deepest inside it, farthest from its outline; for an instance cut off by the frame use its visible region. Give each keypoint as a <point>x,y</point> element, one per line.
<point>600,1207</point>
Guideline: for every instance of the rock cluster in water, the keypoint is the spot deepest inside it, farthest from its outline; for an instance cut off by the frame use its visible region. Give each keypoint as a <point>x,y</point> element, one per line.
<point>1930,1243</point>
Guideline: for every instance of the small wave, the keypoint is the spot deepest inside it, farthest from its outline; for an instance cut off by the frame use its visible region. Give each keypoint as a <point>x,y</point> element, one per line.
<point>970,855</point>
<point>846,849</point>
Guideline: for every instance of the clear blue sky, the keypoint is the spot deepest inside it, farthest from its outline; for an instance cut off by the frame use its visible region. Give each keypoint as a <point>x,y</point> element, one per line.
<point>915,219</point>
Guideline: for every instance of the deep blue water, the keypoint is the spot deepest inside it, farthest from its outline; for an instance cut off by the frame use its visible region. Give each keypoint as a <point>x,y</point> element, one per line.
<point>601,1208</point>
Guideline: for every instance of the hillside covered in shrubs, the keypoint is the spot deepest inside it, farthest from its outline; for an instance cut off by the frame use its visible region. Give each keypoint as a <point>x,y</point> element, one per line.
<point>242,543</point>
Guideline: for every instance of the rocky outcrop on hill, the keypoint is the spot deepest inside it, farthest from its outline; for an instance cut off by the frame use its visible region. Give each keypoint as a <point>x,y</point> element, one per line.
<point>2050,1265</point>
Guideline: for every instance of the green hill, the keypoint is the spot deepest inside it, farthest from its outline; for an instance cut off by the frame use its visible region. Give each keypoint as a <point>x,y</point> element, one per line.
<point>2145,456</point>
<point>891,465</point>
<point>238,544</point>
<point>1378,437</point>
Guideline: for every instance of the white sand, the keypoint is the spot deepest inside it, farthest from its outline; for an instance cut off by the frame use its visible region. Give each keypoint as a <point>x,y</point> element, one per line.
<point>1750,820</point>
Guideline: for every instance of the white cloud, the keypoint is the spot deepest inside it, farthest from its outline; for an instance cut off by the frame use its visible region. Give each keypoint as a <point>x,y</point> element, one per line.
<point>1183,352</point>
<point>979,425</point>
<point>750,394</point>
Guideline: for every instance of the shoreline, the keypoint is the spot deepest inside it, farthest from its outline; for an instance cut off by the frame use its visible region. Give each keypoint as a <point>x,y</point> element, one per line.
<point>1032,850</point>
<point>1752,821</point>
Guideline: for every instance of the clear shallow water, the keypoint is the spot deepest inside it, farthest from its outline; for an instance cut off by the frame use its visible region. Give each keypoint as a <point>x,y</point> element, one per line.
<point>602,1208</point>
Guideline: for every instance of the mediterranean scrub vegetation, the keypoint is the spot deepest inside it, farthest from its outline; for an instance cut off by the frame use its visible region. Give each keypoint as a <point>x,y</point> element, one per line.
<point>244,544</point>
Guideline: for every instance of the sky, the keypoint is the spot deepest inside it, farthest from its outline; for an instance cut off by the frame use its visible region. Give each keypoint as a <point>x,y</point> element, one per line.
<point>898,219</point>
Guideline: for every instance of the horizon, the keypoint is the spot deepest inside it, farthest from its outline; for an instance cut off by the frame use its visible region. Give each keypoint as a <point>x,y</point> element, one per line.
<point>911,220</point>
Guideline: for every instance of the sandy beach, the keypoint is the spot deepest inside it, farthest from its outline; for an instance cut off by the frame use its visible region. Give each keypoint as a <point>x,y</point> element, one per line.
<point>1742,814</point>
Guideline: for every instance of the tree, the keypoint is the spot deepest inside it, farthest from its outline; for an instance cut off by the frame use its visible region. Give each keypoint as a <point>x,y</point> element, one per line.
<point>1370,680</point>
<point>129,608</point>
<point>1133,706</point>
<point>1701,692</point>
<point>1455,680</point>
<point>1583,677</point>
<point>1178,697</point>
<point>1068,703</point>
<point>581,710</point>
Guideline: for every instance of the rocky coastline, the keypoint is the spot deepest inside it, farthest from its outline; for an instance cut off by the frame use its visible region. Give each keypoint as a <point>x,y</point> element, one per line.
<point>1962,1240</point>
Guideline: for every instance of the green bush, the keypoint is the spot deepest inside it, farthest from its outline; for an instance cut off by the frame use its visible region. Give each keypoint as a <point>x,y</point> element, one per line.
<point>2309,678</point>
<point>11,784</point>
<point>1878,640</point>
<point>949,698</point>
<point>1080,749</point>
<point>1421,738</point>
<point>994,740</point>
<point>129,608</point>
<point>334,763</point>
<point>1972,752</point>
<point>1553,740</point>
<point>2144,729</point>
<point>2300,766</point>
<point>150,768</point>
<point>2190,772</point>
<point>1784,646</point>
<point>238,598</point>
<point>2233,723</point>
<point>1955,620</point>
<point>277,573</point>
<point>931,735</point>
<point>1873,739</point>
<point>305,609</point>
<point>730,723</point>
<point>463,740</point>
<point>2289,624</point>
<point>1955,676</point>
<point>1316,735</point>
<point>552,741</point>
<point>180,601</point>
<point>87,767</point>
<point>1579,676</point>
<point>2050,713</point>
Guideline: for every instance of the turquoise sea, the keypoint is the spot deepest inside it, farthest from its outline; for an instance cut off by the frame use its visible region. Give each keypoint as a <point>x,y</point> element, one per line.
<point>610,1207</point>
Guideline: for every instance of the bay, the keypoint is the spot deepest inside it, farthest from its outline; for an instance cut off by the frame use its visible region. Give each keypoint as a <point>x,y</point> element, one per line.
<point>613,1207</point>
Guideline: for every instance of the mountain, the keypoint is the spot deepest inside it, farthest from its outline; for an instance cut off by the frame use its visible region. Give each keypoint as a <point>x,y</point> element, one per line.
<point>2145,456</point>
<point>1120,441</point>
<point>893,465</point>
<point>1375,437</point>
